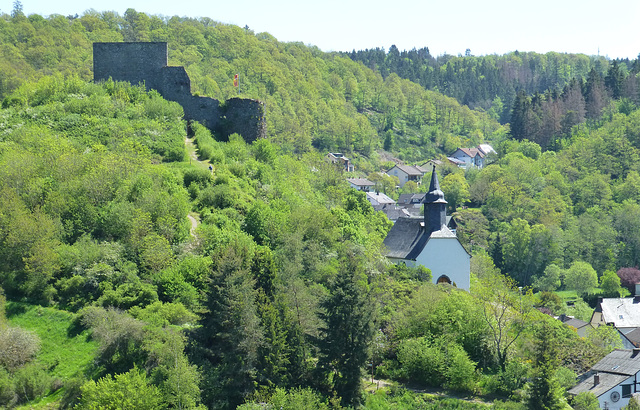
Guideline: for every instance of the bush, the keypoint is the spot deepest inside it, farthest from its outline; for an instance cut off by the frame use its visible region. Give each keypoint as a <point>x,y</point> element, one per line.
<point>200,176</point>
<point>17,347</point>
<point>126,391</point>
<point>461,371</point>
<point>31,382</point>
<point>421,362</point>
<point>585,401</point>
<point>628,278</point>
<point>7,390</point>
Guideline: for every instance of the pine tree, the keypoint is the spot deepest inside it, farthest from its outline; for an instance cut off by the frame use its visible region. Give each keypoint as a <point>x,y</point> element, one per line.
<point>519,116</point>
<point>545,393</point>
<point>614,79</point>
<point>348,317</point>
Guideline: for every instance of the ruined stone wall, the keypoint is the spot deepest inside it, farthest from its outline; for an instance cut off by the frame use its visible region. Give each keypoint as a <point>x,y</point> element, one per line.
<point>244,117</point>
<point>132,62</point>
<point>147,63</point>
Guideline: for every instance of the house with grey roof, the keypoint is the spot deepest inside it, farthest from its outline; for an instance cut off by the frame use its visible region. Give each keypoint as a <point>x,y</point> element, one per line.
<point>339,159</point>
<point>472,157</point>
<point>427,241</point>
<point>580,325</point>
<point>361,184</point>
<point>621,313</point>
<point>378,198</point>
<point>613,379</point>
<point>406,173</point>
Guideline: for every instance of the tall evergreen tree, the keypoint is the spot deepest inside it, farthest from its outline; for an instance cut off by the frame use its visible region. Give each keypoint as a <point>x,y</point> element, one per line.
<point>519,116</point>
<point>348,330</point>
<point>231,334</point>
<point>614,79</point>
<point>545,393</point>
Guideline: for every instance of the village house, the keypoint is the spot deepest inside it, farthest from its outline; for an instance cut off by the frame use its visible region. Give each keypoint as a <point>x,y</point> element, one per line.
<point>379,199</point>
<point>427,241</point>
<point>472,157</point>
<point>580,325</point>
<point>339,159</point>
<point>406,173</point>
<point>613,380</point>
<point>621,313</point>
<point>361,184</point>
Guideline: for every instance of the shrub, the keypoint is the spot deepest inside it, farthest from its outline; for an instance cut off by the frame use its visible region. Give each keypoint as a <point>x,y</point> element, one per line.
<point>7,390</point>
<point>422,362</point>
<point>126,391</point>
<point>31,382</point>
<point>628,278</point>
<point>461,371</point>
<point>17,347</point>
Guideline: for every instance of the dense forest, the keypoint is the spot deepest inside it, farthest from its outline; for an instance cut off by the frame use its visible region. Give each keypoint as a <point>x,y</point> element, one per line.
<point>492,82</point>
<point>141,269</point>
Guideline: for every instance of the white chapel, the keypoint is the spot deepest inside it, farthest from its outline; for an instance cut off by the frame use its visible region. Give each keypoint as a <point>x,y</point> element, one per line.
<point>428,242</point>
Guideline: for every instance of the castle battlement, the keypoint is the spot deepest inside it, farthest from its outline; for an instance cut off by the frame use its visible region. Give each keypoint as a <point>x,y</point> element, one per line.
<point>147,63</point>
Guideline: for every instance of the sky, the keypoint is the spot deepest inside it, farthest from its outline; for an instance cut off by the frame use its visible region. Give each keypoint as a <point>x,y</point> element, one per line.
<point>594,27</point>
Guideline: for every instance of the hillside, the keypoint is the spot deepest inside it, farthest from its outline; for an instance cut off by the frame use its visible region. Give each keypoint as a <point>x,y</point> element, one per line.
<point>312,98</point>
<point>492,82</point>
<point>281,294</point>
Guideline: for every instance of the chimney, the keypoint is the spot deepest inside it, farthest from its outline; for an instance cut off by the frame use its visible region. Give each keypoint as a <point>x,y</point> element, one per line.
<point>596,379</point>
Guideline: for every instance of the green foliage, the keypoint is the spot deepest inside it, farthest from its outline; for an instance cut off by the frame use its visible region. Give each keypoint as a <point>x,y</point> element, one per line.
<point>633,404</point>
<point>610,284</point>
<point>605,337</point>
<point>92,214</point>
<point>545,390</point>
<point>348,327</point>
<point>550,280</point>
<point>294,399</point>
<point>31,382</point>
<point>585,401</point>
<point>126,390</point>
<point>120,338</point>
<point>456,190</point>
<point>580,277</point>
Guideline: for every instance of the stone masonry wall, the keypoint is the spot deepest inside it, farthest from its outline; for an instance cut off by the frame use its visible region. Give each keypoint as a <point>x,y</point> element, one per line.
<point>244,117</point>
<point>148,63</point>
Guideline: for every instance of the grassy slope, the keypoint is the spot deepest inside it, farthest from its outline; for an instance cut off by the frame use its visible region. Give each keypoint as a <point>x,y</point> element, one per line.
<point>65,352</point>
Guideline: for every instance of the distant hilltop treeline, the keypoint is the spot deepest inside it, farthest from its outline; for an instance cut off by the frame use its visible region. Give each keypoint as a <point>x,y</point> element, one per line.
<point>477,80</point>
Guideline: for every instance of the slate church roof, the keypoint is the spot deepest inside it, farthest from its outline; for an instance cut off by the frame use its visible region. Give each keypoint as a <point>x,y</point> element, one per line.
<point>408,238</point>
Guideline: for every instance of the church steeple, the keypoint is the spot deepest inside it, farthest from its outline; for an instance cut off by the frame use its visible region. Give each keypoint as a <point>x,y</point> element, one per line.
<point>435,206</point>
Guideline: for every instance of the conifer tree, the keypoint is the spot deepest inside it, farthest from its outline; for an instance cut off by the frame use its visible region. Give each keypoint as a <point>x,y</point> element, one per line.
<point>348,317</point>
<point>545,391</point>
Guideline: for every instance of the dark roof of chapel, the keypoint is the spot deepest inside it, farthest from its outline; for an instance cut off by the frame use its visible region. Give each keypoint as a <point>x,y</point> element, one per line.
<point>408,237</point>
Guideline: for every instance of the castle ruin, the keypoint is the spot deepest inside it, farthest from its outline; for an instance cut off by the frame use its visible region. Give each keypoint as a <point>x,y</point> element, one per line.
<point>147,63</point>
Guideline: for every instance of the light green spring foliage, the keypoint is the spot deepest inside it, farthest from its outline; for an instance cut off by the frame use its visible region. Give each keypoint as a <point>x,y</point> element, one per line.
<point>127,390</point>
<point>580,277</point>
<point>294,399</point>
<point>311,97</point>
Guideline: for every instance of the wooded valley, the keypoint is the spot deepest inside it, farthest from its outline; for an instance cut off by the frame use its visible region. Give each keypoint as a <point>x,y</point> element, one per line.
<point>142,270</point>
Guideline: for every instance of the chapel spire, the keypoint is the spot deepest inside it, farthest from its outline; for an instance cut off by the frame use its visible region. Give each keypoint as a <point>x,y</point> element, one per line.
<point>435,206</point>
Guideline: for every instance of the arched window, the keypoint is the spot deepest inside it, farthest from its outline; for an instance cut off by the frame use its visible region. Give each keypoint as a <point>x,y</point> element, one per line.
<point>444,279</point>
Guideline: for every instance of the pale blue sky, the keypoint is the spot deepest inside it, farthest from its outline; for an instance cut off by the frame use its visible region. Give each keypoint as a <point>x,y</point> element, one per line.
<point>485,27</point>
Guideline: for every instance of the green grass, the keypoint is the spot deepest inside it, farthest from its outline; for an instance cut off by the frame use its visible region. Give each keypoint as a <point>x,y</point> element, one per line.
<point>65,351</point>
<point>568,295</point>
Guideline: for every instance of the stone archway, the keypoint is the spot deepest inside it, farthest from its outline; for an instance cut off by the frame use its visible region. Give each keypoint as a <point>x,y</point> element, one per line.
<point>444,280</point>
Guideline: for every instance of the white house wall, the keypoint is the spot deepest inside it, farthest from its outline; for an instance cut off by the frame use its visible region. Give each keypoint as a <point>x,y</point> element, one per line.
<point>403,177</point>
<point>446,256</point>
<point>605,398</point>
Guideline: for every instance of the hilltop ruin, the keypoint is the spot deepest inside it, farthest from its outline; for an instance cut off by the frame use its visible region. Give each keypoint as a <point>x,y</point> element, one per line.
<point>147,63</point>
